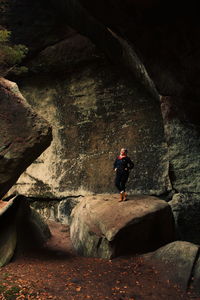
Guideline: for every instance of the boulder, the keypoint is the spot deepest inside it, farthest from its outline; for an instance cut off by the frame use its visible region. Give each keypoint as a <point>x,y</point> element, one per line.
<point>103,227</point>
<point>179,263</point>
<point>186,211</point>
<point>196,277</point>
<point>8,238</point>
<point>24,135</point>
<point>32,231</point>
<point>22,228</point>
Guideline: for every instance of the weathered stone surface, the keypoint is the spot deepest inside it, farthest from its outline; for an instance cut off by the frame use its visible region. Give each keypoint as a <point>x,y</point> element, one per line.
<point>50,15</point>
<point>185,208</point>
<point>24,135</point>
<point>32,231</point>
<point>169,53</point>
<point>48,210</point>
<point>179,259</point>
<point>183,142</point>
<point>7,244</point>
<point>55,210</point>
<point>94,110</point>
<point>65,55</point>
<point>65,208</point>
<point>167,79</point>
<point>103,227</point>
<point>196,277</point>
<point>8,237</point>
<point>39,227</point>
<point>168,50</point>
<point>21,228</point>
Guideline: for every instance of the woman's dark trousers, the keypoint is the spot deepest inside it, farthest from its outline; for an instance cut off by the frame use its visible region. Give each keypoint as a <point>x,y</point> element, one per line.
<point>120,180</point>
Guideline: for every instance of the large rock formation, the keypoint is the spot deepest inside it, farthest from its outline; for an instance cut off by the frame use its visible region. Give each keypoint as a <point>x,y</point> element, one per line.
<point>183,142</point>
<point>168,49</point>
<point>24,135</point>
<point>180,264</point>
<point>185,208</point>
<point>21,229</point>
<point>8,238</point>
<point>160,38</point>
<point>103,227</point>
<point>94,110</point>
<point>163,35</point>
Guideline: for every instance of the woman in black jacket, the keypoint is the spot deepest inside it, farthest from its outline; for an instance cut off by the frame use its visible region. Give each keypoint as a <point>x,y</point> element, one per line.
<point>122,165</point>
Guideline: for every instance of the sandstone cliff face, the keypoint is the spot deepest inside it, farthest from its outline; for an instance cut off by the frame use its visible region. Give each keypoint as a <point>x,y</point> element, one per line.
<point>183,142</point>
<point>95,106</point>
<point>95,109</point>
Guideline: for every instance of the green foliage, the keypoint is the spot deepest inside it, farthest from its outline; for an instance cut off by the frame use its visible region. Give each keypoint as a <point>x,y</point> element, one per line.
<point>11,55</point>
<point>8,290</point>
<point>2,289</point>
<point>4,36</point>
<point>11,293</point>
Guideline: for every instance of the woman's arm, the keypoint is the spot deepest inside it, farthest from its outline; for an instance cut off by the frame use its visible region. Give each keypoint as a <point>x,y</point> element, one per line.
<point>131,164</point>
<point>115,164</point>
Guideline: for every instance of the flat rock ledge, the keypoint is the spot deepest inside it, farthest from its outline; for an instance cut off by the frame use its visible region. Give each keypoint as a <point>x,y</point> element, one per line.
<point>101,226</point>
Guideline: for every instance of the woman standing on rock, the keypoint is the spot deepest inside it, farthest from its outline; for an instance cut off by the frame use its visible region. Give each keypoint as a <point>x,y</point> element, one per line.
<point>122,165</point>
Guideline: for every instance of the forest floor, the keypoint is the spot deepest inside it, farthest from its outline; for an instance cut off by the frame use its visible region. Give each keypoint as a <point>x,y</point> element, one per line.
<point>56,272</point>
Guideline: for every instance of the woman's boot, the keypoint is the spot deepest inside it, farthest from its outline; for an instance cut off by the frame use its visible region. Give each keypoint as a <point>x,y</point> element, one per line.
<point>125,196</point>
<point>121,196</point>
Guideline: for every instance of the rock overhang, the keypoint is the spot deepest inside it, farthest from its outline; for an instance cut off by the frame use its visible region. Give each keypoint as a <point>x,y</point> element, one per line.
<point>24,135</point>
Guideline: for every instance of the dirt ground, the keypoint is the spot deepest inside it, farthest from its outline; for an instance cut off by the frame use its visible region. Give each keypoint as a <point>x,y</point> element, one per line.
<point>56,272</point>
